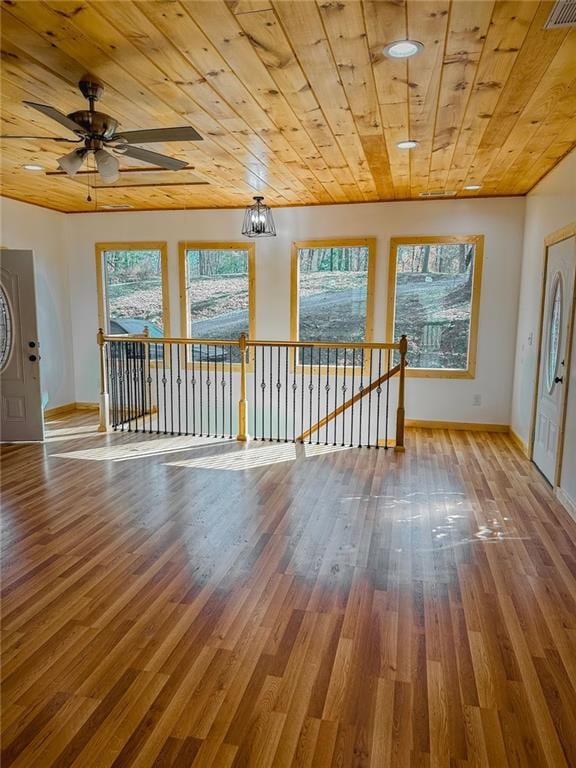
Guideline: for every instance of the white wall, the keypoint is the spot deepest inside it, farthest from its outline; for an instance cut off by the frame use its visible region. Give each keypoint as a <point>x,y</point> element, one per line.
<point>30,227</point>
<point>500,220</point>
<point>549,207</point>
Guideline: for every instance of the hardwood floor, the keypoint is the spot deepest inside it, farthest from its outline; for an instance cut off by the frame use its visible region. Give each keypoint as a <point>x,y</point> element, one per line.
<point>177,602</point>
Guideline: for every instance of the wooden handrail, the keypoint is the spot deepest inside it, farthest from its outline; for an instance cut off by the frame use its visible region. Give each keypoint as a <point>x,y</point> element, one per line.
<point>252,342</point>
<point>341,408</point>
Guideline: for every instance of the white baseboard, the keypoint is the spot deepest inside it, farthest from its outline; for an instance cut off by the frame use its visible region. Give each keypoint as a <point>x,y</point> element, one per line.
<point>568,503</point>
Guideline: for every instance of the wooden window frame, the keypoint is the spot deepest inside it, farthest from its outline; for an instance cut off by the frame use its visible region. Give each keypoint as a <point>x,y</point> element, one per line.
<point>101,248</point>
<point>333,242</point>
<point>189,245</point>
<point>478,241</point>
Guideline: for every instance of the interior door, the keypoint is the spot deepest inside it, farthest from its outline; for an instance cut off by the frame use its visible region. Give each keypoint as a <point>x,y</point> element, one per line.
<point>20,391</point>
<point>553,374</point>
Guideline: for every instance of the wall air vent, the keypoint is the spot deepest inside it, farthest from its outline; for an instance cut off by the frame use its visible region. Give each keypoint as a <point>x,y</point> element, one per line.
<point>563,15</point>
<point>438,193</point>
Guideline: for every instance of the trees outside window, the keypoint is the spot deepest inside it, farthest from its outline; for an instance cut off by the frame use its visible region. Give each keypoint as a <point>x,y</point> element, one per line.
<point>434,300</point>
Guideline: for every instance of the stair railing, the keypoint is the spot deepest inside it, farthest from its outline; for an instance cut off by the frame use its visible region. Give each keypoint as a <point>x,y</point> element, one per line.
<point>322,392</point>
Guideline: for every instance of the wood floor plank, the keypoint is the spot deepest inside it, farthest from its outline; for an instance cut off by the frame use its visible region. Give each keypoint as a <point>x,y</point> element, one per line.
<point>356,608</point>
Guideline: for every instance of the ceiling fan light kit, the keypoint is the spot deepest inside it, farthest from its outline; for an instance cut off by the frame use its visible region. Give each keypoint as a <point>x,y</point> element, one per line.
<point>258,220</point>
<point>99,132</point>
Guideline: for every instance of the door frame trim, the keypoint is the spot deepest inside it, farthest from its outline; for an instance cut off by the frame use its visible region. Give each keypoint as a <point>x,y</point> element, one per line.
<point>558,236</point>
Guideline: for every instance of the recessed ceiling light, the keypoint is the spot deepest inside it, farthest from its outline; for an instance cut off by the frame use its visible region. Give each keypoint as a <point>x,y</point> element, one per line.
<point>407,144</point>
<point>473,187</point>
<point>402,49</point>
<point>32,167</point>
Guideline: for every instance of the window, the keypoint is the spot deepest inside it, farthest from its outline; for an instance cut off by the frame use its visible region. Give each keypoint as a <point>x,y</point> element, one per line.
<point>217,290</point>
<point>434,298</point>
<point>332,290</point>
<point>132,287</point>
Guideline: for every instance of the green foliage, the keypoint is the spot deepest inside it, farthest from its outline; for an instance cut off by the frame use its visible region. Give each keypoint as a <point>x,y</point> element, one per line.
<point>129,266</point>
<point>210,262</point>
<point>343,259</point>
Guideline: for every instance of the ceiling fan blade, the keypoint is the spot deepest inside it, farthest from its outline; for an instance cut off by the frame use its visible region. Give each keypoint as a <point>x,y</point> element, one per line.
<point>108,166</point>
<point>58,116</point>
<point>170,163</point>
<point>72,162</point>
<point>44,138</point>
<point>185,133</point>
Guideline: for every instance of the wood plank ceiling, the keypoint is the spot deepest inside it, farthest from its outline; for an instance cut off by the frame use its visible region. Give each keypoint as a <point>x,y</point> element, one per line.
<point>294,98</point>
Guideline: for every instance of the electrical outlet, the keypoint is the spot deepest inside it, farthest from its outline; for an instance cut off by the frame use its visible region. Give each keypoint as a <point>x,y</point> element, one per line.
<point>476,399</point>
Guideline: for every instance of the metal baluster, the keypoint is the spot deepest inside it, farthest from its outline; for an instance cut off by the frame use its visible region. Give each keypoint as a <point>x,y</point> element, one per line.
<point>278,388</point>
<point>171,391</point>
<point>302,390</point>
<point>223,385</point>
<point>193,391</point>
<point>157,389</point>
<point>387,400</point>
<point>378,393</point>
<point>270,395</point>
<point>134,376</point>
<point>319,393</point>
<point>294,388</point>
<point>352,395</point>
<point>208,386</point>
<point>327,390</point>
<point>286,397</point>
<point>149,382</point>
<point>361,389</point>
<point>129,356</point>
<point>371,353</point>
<point>344,388</point>
<point>230,388</point>
<point>254,384</point>
<point>164,382</point>
<point>335,393</point>
<point>310,390</point>
<point>186,387</point>
<point>215,392</point>
<point>179,384</point>
<point>263,389</point>
<point>201,390</point>
<point>121,383</point>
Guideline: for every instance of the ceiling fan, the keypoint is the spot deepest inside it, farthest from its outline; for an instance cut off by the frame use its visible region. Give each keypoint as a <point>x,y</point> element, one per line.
<point>97,130</point>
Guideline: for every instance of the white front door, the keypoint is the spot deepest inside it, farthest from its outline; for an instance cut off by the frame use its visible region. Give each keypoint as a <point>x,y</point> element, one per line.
<point>20,391</point>
<point>553,374</point>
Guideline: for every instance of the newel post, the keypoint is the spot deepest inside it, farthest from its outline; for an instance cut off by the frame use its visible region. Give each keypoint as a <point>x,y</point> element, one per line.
<point>104,401</point>
<point>242,403</point>
<point>400,410</point>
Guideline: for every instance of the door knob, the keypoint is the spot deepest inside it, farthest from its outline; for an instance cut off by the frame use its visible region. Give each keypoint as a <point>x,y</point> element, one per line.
<point>559,379</point>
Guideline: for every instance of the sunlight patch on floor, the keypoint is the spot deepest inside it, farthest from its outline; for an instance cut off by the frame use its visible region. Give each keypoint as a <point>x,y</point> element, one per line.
<point>240,460</point>
<point>252,457</point>
<point>149,447</point>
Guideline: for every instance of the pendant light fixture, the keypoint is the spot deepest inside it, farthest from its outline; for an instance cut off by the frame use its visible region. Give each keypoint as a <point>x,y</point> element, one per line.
<point>258,221</point>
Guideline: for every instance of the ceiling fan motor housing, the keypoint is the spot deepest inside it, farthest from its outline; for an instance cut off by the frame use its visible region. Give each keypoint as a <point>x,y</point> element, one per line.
<point>97,124</point>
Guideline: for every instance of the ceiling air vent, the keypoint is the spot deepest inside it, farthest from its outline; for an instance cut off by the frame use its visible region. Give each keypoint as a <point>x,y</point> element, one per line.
<point>438,193</point>
<point>563,15</point>
<point>117,207</point>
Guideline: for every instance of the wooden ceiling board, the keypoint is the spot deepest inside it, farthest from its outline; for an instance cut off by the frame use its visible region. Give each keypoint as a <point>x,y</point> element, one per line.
<point>295,100</point>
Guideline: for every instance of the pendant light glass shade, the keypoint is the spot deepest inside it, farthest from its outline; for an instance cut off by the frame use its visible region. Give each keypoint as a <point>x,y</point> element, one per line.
<point>72,162</point>
<point>108,166</point>
<point>258,221</point>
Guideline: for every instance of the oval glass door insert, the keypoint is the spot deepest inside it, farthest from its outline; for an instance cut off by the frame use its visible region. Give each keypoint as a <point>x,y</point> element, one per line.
<point>554,332</point>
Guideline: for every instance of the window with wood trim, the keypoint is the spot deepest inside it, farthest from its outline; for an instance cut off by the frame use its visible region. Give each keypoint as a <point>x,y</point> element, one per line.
<point>332,291</point>
<point>132,285</point>
<point>434,299</point>
<point>217,281</point>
